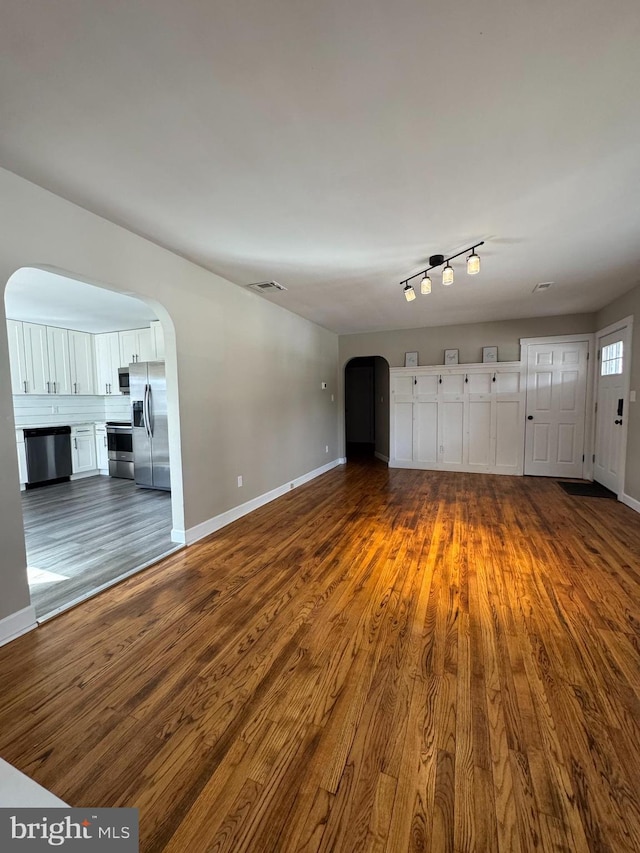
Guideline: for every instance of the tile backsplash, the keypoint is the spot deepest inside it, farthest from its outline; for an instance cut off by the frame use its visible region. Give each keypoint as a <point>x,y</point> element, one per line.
<point>33,410</point>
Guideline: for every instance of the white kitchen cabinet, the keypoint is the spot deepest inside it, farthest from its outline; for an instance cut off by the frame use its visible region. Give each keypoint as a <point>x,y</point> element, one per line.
<point>81,365</point>
<point>102,453</point>
<point>49,360</point>
<point>36,359</point>
<point>157,337</point>
<point>59,381</point>
<point>17,360</point>
<point>83,448</point>
<point>463,418</point>
<point>107,347</point>
<point>136,345</point>
<point>22,457</point>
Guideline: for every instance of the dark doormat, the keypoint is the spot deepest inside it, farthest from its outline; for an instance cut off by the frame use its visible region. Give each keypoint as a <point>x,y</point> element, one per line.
<point>587,490</point>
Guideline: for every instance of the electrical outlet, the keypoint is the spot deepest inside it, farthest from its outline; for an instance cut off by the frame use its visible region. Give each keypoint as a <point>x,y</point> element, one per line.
<point>632,396</point>
<point>240,481</point>
<point>326,448</point>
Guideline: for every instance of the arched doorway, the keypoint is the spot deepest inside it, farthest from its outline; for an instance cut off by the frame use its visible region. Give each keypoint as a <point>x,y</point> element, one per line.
<point>96,525</point>
<point>366,382</point>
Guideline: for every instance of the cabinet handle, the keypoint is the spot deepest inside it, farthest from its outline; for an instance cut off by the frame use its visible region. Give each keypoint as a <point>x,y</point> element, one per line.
<point>494,378</point>
<point>105,441</point>
<point>415,380</point>
<point>75,443</point>
<point>466,378</point>
<point>75,387</point>
<point>48,387</point>
<point>25,386</point>
<point>440,380</point>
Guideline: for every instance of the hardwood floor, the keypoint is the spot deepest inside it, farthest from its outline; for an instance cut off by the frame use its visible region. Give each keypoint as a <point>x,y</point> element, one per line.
<point>85,534</point>
<point>378,661</point>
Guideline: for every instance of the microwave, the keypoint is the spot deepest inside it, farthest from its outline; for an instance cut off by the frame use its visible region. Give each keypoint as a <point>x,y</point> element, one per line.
<point>123,380</point>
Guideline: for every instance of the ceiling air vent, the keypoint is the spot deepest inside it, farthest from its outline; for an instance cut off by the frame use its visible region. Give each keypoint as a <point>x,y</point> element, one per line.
<point>542,285</point>
<point>265,286</point>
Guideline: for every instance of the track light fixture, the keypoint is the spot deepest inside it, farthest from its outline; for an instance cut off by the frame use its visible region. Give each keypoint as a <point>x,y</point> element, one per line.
<point>409,292</point>
<point>473,267</point>
<point>473,263</point>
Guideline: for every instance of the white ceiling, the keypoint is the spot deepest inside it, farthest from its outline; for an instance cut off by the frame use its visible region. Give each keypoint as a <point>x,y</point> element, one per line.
<point>334,146</point>
<point>39,296</point>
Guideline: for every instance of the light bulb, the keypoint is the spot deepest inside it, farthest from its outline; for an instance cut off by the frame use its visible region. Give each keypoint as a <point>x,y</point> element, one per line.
<point>473,264</point>
<point>425,285</point>
<point>447,274</point>
<point>409,293</point>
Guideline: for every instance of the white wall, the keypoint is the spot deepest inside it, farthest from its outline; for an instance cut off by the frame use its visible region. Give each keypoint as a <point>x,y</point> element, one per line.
<point>244,376</point>
<point>431,342</point>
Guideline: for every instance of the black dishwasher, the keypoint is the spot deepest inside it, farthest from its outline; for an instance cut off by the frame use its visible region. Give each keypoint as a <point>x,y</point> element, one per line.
<point>48,455</point>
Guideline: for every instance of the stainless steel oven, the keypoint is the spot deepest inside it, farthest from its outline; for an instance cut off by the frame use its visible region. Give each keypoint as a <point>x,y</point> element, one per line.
<point>120,449</point>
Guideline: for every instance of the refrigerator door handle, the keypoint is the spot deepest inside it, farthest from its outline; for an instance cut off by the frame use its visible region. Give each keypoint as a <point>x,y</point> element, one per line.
<point>147,417</point>
<point>145,411</point>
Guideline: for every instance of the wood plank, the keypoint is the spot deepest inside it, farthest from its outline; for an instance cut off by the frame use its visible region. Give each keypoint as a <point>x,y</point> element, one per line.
<point>379,661</point>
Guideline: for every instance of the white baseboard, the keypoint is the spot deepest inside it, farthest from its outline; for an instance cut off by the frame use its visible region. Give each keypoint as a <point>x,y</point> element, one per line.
<point>381,456</point>
<point>631,502</point>
<point>179,536</point>
<point>18,623</point>
<point>205,528</point>
<point>83,474</point>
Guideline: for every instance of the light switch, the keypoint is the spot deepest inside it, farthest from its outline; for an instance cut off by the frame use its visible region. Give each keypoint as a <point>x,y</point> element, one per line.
<point>632,396</point>
<point>324,386</point>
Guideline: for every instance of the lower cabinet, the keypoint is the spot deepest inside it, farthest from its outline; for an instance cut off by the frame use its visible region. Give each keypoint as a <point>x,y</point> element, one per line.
<point>102,453</point>
<point>83,448</point>
<point>468,418</point>
<point>22,457</point>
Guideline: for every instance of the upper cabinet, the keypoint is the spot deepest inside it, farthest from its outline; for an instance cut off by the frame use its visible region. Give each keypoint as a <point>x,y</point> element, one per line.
<point>107,363</point>
<point>157,335</point>
<point>49,360</point>
<point>17,358</point>
<point>46,351</point>
<point>136,345</point>
<point>59,381</point>
<point>81,347</point>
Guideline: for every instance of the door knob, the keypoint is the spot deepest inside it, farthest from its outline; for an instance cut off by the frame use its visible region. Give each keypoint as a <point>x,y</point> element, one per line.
<point>617,422</point>
<point>529,417</point>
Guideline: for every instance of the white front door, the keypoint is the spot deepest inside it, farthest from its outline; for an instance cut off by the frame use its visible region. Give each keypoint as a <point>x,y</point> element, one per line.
<point>611,408</point>
<point>556,396</point>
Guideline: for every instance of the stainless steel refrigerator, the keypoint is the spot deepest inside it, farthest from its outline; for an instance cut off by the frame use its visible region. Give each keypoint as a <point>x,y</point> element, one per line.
<point>149,425</point>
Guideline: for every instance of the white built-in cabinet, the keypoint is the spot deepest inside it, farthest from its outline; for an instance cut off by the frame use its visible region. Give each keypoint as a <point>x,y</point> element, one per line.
<point>464,418</point>
<point>49,360</point>
<point>157,338</point>
<point>83,448</point>
<point>17,357</point>
<point>81,365</point>
<point>107,348</point>
<point>102,453</point>
<point>22,457</point>
<point>136,345</point>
